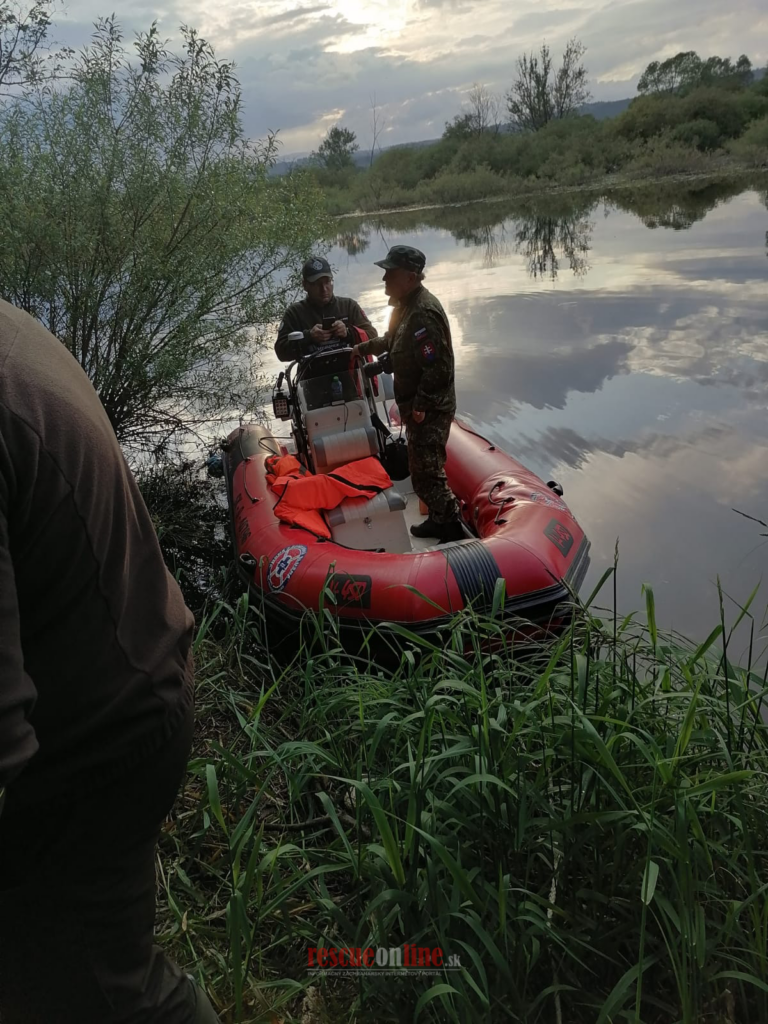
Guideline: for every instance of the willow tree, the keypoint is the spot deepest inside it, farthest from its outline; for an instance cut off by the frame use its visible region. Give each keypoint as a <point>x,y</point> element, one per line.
<point>144,230</point>
<point>24,55</point>
<point>541,92</point>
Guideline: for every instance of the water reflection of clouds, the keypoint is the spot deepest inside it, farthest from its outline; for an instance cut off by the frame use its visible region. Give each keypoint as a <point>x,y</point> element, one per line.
<point>641,384</point>
<point>683,305</point>
<point>670,506</point>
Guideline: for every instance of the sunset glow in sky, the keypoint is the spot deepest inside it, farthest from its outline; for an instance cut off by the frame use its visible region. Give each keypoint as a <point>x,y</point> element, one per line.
<point>305,65</point>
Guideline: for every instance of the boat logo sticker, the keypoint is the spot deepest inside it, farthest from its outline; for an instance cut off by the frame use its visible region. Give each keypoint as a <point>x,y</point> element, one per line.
<point>283,565</point>
<point>552,501</point>
<point>560,536</point>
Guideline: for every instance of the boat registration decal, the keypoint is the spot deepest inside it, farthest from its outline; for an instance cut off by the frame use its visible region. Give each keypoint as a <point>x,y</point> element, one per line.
<point>560,536</point>
<point>351,590</point>
<point>283,565</point>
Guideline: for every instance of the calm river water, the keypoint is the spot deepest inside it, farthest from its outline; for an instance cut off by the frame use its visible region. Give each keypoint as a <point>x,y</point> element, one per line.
<point>621,347</point>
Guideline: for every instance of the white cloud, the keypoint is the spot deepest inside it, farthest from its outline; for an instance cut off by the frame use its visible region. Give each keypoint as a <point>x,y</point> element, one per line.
<point>301,62</point>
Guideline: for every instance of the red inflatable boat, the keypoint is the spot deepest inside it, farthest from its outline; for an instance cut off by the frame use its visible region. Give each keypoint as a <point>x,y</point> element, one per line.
<point>367,568</point>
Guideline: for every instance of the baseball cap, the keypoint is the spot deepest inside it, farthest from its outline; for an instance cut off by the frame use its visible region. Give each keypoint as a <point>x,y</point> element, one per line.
<point>315,268</point>
<point>404,256</point>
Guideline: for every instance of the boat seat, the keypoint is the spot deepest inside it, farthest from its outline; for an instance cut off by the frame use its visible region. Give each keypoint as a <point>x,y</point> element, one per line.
<point>337,449</point>
<point>339,433</point>
<point>375,524</point>
<point>336,419</point>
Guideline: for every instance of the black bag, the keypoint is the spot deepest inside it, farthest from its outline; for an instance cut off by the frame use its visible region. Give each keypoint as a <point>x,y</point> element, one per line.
<point>394,458</point>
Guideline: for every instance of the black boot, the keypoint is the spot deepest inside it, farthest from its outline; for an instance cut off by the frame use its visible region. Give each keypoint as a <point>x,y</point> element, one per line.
<point>429,528</point>
<point>452,530</point>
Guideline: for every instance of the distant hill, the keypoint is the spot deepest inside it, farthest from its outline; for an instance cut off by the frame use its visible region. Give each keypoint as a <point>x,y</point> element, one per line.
<point>605,108</point>
<point>361,158</point>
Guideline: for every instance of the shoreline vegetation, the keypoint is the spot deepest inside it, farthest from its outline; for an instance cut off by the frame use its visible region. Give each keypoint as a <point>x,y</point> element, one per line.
<point>586,829</point>
<point>739,176</point>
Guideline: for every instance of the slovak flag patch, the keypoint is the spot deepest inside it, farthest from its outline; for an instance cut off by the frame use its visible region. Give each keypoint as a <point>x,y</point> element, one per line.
<point>421,333</point>
<point>428,351</point>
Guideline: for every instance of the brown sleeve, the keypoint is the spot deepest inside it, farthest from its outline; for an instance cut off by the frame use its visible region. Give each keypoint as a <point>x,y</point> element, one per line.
<point>286,350</point>
<point>17,691</point>
<point>435,356</point>
<point>374,346</point>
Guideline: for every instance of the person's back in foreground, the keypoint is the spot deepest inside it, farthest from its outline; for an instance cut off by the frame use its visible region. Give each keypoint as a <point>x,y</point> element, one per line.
<point>96,706</point>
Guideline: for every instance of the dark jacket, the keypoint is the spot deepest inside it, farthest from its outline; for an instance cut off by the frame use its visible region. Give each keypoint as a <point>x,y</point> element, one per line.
<point>94,632</point>
<point>302,316</point>
<point>419,342</point>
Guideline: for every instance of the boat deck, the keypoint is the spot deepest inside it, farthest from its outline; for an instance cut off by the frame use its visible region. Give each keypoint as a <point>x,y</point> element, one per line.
<point>413,516</point>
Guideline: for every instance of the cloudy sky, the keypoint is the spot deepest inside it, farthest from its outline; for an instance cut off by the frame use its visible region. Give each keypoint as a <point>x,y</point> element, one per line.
<point>307,64</point>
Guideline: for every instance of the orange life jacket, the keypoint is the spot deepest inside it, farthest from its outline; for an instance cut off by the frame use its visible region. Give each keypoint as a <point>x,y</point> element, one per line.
<point>283,466</point>
<point>303,496</point>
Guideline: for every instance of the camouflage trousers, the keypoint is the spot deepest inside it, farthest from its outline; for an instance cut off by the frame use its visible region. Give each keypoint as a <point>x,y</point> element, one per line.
<point>426,461</point>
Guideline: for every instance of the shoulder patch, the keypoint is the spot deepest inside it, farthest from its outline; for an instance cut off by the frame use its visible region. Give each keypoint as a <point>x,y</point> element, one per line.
<point>428,351</point>
<point>421,333</point>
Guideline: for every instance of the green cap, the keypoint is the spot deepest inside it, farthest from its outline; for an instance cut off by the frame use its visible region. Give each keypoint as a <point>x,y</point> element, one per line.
<point>404,256</point>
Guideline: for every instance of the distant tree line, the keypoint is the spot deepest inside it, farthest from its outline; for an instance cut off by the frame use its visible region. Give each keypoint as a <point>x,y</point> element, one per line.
<point>687,71</point>
<point>691,114</point>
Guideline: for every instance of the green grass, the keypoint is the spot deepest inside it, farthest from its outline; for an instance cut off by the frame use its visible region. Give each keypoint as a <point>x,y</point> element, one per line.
<point>586,829</point>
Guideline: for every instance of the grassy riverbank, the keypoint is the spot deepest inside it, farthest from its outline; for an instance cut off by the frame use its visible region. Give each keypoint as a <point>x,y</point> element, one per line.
<point>624,191</point>
<point>706,131</point>
<point>666,166</point>
<point>588,832</point>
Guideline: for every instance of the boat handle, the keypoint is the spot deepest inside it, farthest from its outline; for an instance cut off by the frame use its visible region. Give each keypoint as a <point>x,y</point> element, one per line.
<point>504,501</point>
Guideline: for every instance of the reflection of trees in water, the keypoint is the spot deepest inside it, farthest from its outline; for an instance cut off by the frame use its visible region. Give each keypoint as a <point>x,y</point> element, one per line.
<point>672,207</point>
<point>355,241</point>
<point>549,229</point>
<point>492,242</point>
<point>544,240</point>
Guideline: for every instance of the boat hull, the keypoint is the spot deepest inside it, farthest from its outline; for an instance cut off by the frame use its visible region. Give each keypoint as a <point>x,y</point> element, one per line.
<point>527,537</point>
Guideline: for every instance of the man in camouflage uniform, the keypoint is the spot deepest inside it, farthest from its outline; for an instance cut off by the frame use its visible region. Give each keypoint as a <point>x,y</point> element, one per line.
<point>419,343</point>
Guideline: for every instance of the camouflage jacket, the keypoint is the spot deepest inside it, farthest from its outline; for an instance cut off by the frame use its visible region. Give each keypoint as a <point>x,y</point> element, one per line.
<point>302,316</point>
<point>419,342</point>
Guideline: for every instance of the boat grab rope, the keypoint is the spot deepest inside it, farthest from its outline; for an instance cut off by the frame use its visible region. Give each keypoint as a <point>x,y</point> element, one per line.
<point>246,460</point>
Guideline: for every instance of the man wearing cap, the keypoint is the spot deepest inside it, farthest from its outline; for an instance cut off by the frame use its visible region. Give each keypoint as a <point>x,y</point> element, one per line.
<point>320,304</point>
<point>419,343</point>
